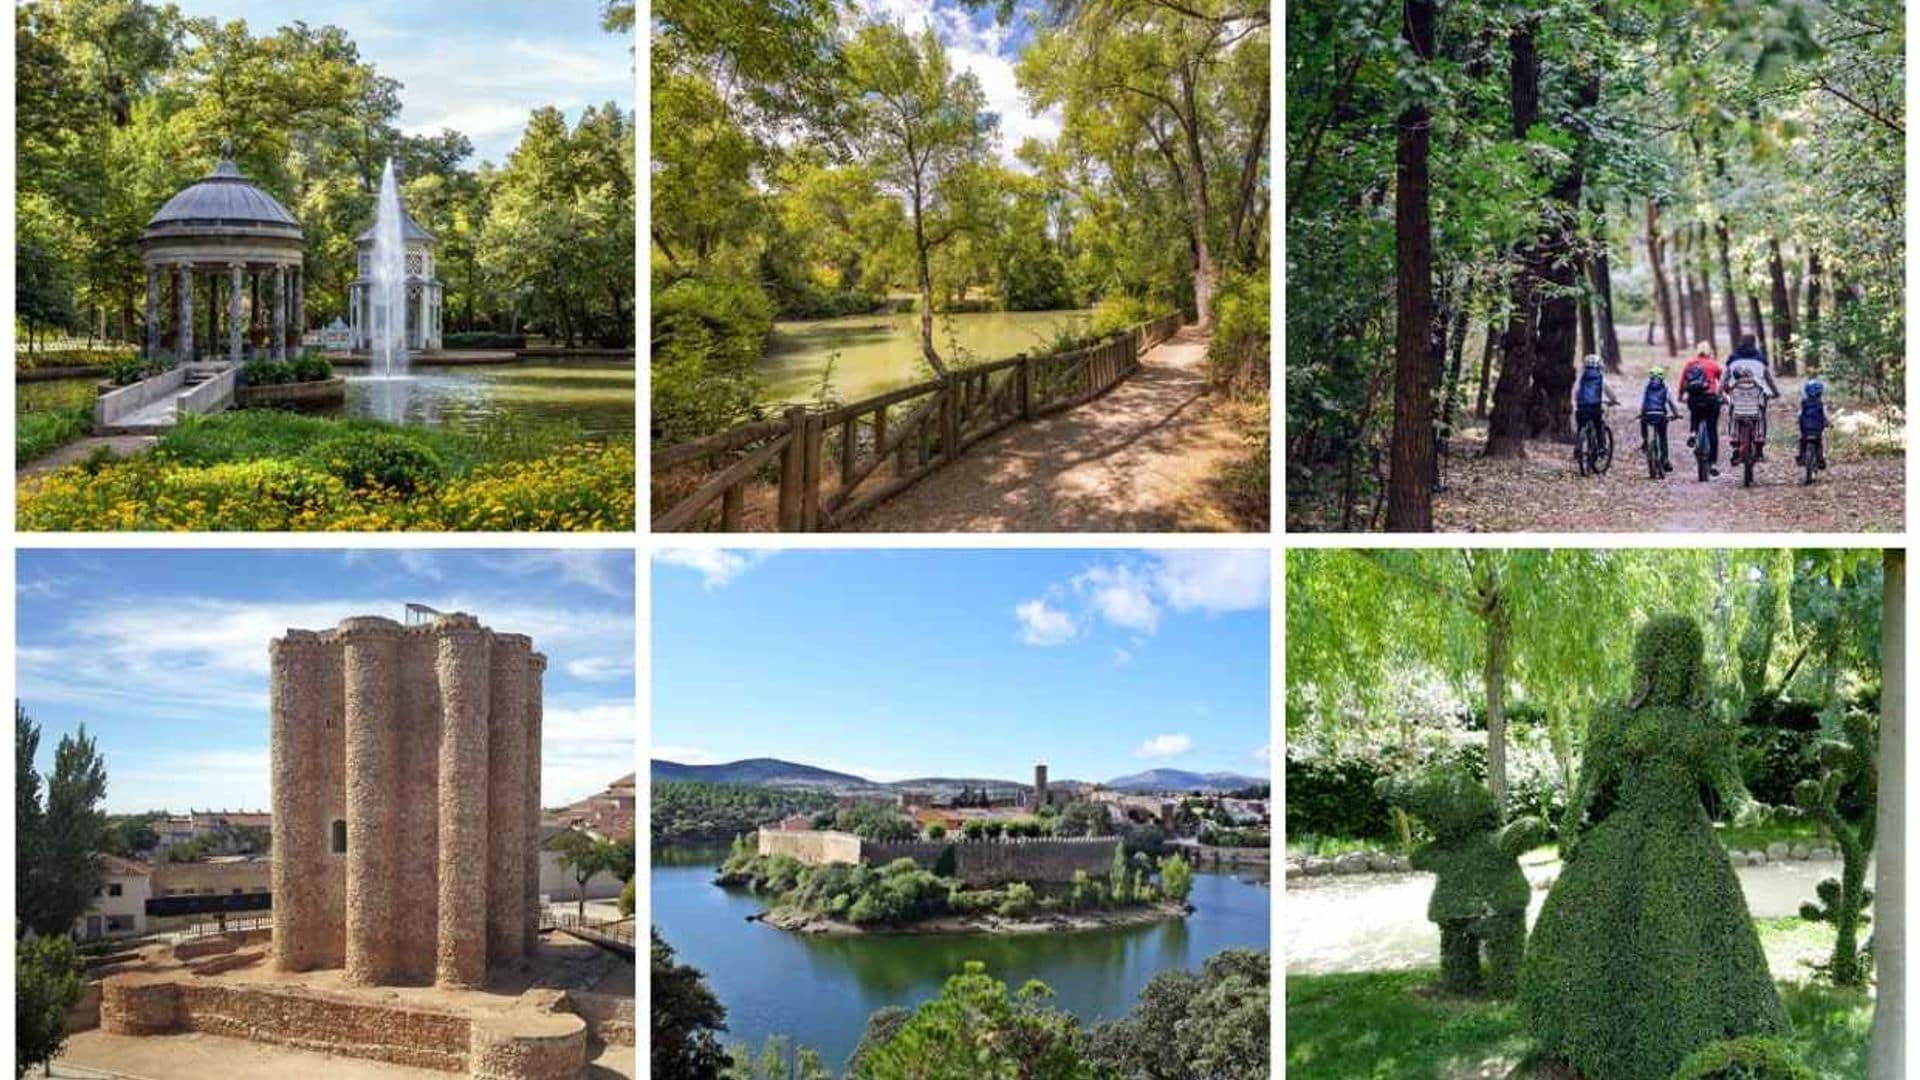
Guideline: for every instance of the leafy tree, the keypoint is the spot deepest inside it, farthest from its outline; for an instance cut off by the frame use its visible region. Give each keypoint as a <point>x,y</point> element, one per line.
<point>47,985</point>
<point>1846,763</point>
<point>68,832</point>
<point>1193,1025</point>
<point>687,1019</point>
<point>975,1028</point>
<point>585,857</point>
<point>627,899</point>
<point>1176,878</point>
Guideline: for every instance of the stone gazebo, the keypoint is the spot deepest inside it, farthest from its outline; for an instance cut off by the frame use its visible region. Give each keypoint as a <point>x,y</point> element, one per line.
<point>224,235</point>
<point>424,293</point>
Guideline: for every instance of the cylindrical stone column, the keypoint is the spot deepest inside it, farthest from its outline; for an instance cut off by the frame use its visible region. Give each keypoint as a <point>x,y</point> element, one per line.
<point>465,685</point>
<point>300,842</point>
<point>153,311</point>
<point>533,710</point>
<point>280,313</point>
<point>299,307</point>
<point>185,329</point>
<point>507,800</point>
<point>237,275</point>
<point>371,664</point>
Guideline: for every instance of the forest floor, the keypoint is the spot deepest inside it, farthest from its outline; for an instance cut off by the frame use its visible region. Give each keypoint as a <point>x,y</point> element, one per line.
<point>1147,456</point>
<point>1863,490</point>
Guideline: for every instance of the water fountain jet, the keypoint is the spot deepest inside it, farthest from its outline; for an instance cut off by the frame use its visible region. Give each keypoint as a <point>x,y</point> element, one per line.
<point>387,300</point>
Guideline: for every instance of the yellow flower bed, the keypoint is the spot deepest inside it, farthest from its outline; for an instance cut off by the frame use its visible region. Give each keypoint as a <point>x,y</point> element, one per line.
<point>584,488</point>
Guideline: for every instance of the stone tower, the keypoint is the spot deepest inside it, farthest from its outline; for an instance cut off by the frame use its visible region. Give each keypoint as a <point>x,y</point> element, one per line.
<point>406,800</point>
<point>1039,785</point>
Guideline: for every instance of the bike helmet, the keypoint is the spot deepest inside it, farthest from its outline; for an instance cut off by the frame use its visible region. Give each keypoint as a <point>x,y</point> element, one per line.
<point>1656,372</point>
<point>1815,388</point>
<point>1592,361</point>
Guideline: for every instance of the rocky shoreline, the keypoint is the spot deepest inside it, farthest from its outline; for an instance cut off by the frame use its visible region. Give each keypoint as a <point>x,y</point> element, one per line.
<point>801,922</point>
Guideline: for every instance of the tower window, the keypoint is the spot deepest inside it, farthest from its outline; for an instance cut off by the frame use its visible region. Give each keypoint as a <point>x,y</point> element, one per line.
<point>339,837</point>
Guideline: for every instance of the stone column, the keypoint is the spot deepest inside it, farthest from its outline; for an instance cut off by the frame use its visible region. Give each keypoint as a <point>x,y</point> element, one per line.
<point>280,313</point>
<point>300,839</point>
<point>426,291</point>
<point>236,275</point>
<point>463,663</point>
<point>371,663</point>
<point>153,311</point>
<point>533,711</point>
<point>184,346</point>
<point>299,307</point>
<point>507,800</point>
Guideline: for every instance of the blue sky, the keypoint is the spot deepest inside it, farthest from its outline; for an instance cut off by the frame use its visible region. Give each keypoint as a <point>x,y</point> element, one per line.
<point>976,43</point>
<point>477,66</point>
<point>891,664</point>
<point>163,654</point>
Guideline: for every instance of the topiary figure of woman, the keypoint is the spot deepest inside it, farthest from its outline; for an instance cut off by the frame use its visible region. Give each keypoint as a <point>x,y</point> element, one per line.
<point>1644,951</point>
<point>1479,894</point>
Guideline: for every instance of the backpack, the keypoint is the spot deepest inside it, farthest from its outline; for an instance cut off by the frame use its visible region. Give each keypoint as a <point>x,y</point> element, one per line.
<point>1694,379</point>
<point>1653,401</point>
<point>1593,387</point>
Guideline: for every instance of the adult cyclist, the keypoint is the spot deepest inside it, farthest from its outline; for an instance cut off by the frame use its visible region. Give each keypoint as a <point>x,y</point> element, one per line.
<point>1700,390</point>
<point>1589,395</point>
<point>1747,357</point>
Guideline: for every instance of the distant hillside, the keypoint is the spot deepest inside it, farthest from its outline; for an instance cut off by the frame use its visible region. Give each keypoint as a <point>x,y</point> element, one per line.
<point>770,771</point>
<point>1182,780</point>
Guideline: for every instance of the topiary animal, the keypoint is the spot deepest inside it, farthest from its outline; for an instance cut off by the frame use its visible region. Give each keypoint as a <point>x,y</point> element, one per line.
<point>1479,894</point>
<point>1644,951</point>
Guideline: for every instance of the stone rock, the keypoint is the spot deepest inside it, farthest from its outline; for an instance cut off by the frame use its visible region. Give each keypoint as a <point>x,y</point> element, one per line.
<point>1315,866</point>
<point>1295,870</point>
<point>1380,862</point>
<point>1799,851</point>
<point>1777,851</point>
<point>1822,854</point>
<point>1353,862</point>
<point>1403,863</point>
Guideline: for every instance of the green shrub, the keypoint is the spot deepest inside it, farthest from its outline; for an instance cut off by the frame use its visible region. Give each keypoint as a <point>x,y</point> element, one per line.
<point>1337,797</point>
<point>266,373</point>
<point>379,461</point>
<point>1479,894</point>
<point>1748,1058</point>
<point>482,339</point>
<point>708,337</point>
<point>1017,901</point>
<point>37,434</point>
<point>627,899</point>
<point>1644,951</point>
<point>1118,312</point>
<point>1847,765</point>
<point>936,831</point>
<point>47,983</point>
<point>311,367</point>
<point>127,370</point>
<point>1240,354</point>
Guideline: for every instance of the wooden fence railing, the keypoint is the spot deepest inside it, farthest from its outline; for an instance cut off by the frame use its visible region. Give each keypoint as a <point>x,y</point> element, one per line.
<point>879,446</point>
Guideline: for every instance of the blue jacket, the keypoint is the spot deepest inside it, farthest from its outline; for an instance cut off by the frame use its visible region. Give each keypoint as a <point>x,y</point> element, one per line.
<point>1813,415</point>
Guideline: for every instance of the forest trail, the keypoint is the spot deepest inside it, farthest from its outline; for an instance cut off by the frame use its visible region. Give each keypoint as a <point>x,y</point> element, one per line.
<point>1861,491</point>
<point>1141,458</point>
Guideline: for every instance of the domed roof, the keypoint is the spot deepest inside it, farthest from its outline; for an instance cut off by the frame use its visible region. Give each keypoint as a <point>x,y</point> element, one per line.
<point>410,231</point>
<point>226,197</point>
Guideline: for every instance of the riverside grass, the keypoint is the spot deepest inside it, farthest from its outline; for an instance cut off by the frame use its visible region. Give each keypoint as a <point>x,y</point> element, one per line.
<point>268,471</point>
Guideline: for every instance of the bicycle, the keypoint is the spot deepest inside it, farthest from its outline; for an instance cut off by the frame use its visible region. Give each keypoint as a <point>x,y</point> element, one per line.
<point>1813,454</point>
<point>1748,403</point>
<point>1593,445</point>
<point>1653,443</point>
<point>1706,438</point>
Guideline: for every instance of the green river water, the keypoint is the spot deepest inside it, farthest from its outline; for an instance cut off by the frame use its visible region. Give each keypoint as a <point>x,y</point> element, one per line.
<point>871,354</point>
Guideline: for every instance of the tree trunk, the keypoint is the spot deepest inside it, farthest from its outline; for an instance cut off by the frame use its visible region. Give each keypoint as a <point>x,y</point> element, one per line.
<point>1603,311</point>
<point>927,350</point>
<point>1728,295</point>
<point>1703,288</point>
<point>1486,372</point>
<point>1663,298</point>
<point>1495,677</point>
<point>1556,360</point>
<point>1813,296</point>
<point>1204,273</point>
<point>1682,293</point>
<point>1782,355</point>
<point>1410,491</point>
<point>1507,427</point>
<point>1586,317</point>
<point>1759,325</point>
<point>1888,1056</point>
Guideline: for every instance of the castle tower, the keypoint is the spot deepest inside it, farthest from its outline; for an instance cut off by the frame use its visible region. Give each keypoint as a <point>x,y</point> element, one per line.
<point>1039,785</point>
<point>406,787</point>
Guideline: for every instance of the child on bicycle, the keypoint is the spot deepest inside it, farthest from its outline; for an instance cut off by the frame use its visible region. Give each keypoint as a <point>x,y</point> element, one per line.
<point>1813,423</point>
<point>1590,393</point>
<point>1657,406</point>
<point>1747,399</point>
<point>1748,358</point>
<point>1700,389</point>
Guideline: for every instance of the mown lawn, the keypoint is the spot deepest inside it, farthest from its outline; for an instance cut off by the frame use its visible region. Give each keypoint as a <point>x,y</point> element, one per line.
<point>1391,1026</point>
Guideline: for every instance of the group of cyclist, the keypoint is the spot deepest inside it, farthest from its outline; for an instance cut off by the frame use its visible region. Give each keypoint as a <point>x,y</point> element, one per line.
<point>1744,386</point>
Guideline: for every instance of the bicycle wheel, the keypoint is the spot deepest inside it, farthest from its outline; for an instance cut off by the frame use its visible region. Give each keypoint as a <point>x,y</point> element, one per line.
<point>1653,456</point>
<point>1746,453</point>
<point>1702,452</point>
<point>1808,454</point>
<point>1603,457</point>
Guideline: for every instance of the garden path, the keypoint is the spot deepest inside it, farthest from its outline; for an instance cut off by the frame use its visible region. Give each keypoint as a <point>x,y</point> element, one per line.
<point>1372,922</point>
<point>79,450</point>
<point>1141,458</point>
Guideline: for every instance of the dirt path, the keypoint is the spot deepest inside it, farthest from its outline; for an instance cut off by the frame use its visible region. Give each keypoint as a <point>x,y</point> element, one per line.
<point>1142,458</point>
<point>1862,491</point>
<point>81,449</point>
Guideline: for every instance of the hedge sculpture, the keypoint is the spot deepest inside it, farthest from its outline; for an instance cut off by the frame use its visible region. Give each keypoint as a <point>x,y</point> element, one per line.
<point>1644,952</point>
<point>1844,800</point>
<point>1479,894</point>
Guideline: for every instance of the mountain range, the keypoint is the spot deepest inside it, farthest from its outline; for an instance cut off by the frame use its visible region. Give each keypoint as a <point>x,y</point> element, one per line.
<point>774,772</point>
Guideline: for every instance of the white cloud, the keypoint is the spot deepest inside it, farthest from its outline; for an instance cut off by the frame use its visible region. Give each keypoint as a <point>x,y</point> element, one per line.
<point>1122,657</point>
<point>597,668</point>
<point>1163,746</point>
<point>686,755</point>
<point>1263,753</point>
<point>1043,624</point>
<point>717,567</point>
<point>1214,581</point>
<point>1121,596</point>
<point>609,572</point>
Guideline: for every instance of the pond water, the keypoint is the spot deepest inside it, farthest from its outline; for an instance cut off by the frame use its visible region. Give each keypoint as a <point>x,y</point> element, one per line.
<point>819,990</point>
<point>596,395</point>
<point>872,354</point>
